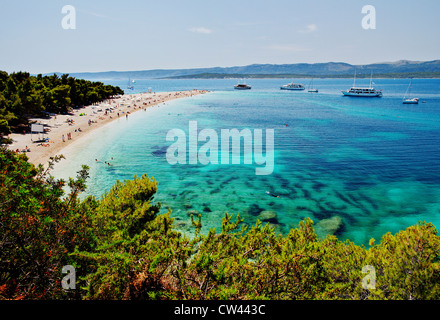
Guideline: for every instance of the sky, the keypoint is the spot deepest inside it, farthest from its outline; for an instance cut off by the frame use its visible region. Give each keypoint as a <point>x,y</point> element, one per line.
<point>169,34</point>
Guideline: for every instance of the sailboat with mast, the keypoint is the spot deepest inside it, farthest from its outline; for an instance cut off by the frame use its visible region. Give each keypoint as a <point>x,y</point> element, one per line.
<point>407,97</point>
<point>312,88</point>
<point>369,92</point>
<point>130,84</point>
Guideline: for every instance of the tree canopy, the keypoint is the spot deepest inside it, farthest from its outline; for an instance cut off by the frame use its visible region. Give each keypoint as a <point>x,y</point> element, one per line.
<point>23,95</point>
<point>122,248</point>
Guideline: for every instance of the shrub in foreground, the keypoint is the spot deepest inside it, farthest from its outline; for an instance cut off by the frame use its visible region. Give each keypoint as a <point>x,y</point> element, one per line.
<point>122,248</point>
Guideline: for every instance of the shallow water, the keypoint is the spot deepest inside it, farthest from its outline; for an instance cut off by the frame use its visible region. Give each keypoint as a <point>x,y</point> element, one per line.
<point>372,163</point>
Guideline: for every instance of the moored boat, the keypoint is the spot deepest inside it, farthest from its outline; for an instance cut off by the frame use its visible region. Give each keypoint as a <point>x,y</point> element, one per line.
<point>411,101</point>
<point>293,86</point>
<point>130,86</point>
<point>363,92</point>
<point>407,97</point>
<point>312,88</point>
<point>242,86</point>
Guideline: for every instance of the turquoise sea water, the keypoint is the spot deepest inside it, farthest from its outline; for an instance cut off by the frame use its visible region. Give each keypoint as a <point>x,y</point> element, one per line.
<point>358,167</point>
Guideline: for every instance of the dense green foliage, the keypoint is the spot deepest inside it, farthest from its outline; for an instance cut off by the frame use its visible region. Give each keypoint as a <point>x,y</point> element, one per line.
<point>23,95</point>
<point>122,248</point>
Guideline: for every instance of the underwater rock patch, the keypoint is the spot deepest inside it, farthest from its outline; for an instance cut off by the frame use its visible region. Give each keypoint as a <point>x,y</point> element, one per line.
<point>329,226</point>
<point>216,190</point>
<point>254,209</point>
<point>160,152</point>
<point>268,216</point>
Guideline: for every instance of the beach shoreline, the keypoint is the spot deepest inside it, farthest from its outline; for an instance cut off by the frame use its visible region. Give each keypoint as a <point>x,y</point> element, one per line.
<point>65,129</point>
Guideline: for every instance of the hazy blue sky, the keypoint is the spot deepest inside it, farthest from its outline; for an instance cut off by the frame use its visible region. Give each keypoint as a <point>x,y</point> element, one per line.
<point>141,35</point>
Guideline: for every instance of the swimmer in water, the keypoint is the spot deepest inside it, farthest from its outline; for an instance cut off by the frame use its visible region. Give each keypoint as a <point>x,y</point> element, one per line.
<point>273,195</point>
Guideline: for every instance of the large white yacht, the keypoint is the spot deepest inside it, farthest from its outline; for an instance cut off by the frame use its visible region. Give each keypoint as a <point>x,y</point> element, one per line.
<point>293,86</point>
<point>363,92</point>
<point>369,92</point>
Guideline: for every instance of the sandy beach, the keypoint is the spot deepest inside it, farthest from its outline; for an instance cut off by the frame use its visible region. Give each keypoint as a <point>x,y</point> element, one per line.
<point>62,130</point>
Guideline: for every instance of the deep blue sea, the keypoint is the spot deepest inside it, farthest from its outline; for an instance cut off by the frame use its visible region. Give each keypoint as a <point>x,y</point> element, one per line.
<point>359,167</point>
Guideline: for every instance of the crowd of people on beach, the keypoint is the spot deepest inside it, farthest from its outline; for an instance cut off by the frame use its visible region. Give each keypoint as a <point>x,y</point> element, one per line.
<point>26,149</point>
<point>119,106</point>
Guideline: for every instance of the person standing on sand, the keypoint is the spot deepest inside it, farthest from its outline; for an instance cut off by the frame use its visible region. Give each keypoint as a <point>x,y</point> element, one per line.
<point>63,138</point>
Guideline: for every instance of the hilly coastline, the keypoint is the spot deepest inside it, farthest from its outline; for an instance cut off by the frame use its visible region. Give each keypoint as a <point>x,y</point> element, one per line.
<point>398,69</point>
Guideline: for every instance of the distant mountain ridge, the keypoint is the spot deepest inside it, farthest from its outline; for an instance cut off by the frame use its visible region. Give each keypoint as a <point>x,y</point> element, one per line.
<point>315,69</point>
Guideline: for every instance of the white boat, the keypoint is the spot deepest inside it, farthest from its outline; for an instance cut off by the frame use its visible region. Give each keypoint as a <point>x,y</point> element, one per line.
<point>407,97</point>
<point>369,92</point>
<point>130,86</point>
<point>411,101</point>
<point>293,86</point>
<point>363,92</point>
<point>242,86</point>
<point>311,88</point>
